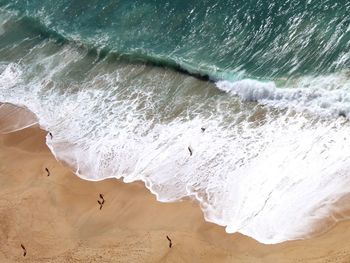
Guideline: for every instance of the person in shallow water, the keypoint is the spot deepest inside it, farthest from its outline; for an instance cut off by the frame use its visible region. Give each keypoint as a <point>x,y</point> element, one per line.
<point>190,150</point>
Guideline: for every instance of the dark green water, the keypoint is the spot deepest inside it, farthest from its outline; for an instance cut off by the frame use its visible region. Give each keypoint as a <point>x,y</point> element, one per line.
<point>223,39</point>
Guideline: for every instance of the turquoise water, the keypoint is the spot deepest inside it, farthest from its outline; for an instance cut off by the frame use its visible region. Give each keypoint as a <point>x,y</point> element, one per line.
<point>222,39</point>
<point>106,78</point>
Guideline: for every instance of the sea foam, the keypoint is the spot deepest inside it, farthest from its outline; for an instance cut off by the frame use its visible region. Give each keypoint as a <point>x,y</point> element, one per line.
<point>324,96</point>
<point>270,174</point>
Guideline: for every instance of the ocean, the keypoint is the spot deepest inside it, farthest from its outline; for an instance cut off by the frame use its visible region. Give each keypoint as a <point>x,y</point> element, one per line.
<point>242,106</point>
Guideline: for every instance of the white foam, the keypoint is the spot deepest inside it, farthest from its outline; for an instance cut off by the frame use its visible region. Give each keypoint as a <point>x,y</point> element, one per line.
<point>257,171</point>
<point>10,75</point>
<point>325,96</point>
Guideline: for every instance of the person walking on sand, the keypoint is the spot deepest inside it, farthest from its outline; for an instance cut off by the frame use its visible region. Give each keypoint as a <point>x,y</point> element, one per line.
<point>170,243</point>
<point>101,202</point>
<point>24,250</point>
<point>103,199</point>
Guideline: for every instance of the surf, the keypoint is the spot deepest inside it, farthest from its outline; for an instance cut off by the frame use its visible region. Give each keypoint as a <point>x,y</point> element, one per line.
<point>272,162</point>
<point>222,40</point>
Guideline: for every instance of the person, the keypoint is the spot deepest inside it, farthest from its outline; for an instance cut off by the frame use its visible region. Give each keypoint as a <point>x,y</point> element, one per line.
<point>24,250</point>
<point>190,150</point>
<point>170,243</point>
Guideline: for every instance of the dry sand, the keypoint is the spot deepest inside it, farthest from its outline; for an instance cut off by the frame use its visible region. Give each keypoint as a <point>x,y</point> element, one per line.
<point>57,219</point>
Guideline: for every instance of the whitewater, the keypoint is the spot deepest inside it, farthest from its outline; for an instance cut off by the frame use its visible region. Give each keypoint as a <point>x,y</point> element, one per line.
<point>273,161</point>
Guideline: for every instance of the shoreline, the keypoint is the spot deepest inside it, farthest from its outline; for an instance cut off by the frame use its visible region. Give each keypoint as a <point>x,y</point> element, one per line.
<point>57,218</point>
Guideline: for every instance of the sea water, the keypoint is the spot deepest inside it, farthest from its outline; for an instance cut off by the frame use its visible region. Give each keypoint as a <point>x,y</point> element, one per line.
<point>126,87</point>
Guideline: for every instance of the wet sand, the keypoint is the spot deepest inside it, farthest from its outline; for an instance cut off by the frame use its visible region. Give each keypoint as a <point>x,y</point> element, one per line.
<point>58,219</point>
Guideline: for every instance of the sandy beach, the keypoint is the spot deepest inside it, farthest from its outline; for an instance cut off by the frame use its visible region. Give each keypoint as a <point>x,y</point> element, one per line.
<point>175,131</point>
<point>57,218</point>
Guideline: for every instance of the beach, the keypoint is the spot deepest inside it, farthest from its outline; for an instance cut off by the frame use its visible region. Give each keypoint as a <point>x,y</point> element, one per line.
<point>174,131</point>
<point>57,219</point>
